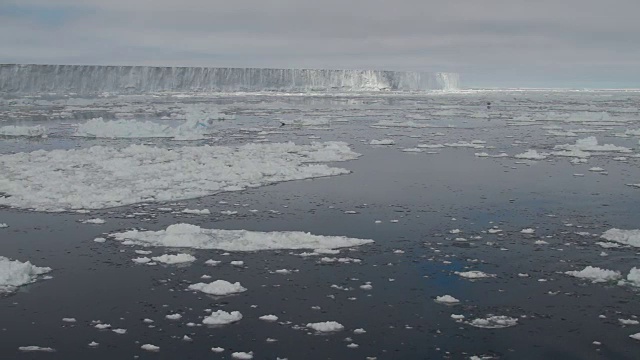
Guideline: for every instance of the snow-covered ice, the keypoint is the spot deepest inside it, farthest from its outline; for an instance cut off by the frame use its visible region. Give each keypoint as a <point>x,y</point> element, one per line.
<point>326,326</point>
<point>382,142</point>
<point>222,317</point>
<point>174,258</point>
<point>192,236</point>
<point>447,299</point>
<point>36,349</point>
<point>218,288</point>
<point>102,177</point>
<point>150,347</point>
<point>474,274</point>
<point>626,237</point>
<point>29,131</point>
<point>494,322</point>
<point>14,273</point>
<point>123,128</point>
<point>595,274</point>
<point>241,355</point>
<point>268,318</point>
<point>531,155</point>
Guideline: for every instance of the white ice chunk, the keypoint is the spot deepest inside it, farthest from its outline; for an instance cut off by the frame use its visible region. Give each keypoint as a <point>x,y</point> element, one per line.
<point>221,317</point>
<point>268,318</point>
<point>150,347</point>
<point>382,142</point>
<point>14,273</point>
<point>218,288</point>
<point>36,348</point>
<point>494,322</point>
<point>531,155</point>
<point>30,131</point>
<point>326,326</point>
<point>103,177</point>
<point>192,236</point>
<point>626,237</point>
<point>174,259</point>
<point>595,274</point>
<point>447,299</point>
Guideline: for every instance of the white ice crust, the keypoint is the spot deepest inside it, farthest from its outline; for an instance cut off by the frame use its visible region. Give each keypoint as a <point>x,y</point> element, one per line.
<point>192,236</point>
<point>14,273</point>
<point>101,177</point>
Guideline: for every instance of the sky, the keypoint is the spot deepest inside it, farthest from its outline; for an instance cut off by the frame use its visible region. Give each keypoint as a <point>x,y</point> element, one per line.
<point>491,43</point>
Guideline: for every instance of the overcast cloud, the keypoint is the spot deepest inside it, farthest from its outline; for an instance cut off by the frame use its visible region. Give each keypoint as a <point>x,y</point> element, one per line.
<point>565,43</point>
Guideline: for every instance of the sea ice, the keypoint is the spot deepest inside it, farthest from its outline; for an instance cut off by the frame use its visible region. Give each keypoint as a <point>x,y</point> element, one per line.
<point>595,274</point>
<point>102,177</point>
<point>192,236</point>
<point>150,347</point>
<point>218,288</point>
<point>30,131</point>
<point>447,299</point>
<point>626,237</point>
<point>268,318</point>
<point>197,212</point>
<point>36,348</point>
<point>474,274</point>
<point>494,322</point>
<point>174,259</point>
<point>122,128</point>
<point>591,144</point>
<point>531,155</point>
<point>326,326</point>
<point>222,317</point>
<point>14,273</point>
<point>382,142</point>
<point>242,355</point>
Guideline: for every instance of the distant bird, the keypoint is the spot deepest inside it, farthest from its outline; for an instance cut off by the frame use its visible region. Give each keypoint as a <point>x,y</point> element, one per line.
<point>489,105</point>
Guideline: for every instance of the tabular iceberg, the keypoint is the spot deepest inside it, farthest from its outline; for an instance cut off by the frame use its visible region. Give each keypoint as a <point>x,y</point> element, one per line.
<point>91,79</point>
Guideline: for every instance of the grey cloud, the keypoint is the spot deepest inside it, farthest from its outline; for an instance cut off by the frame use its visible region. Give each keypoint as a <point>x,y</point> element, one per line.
<point>489,42</point>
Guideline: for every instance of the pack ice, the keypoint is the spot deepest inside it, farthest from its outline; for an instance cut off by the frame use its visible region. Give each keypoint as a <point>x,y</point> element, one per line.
<point>102,177</point>
<point>14,273</point>
<point>192,236</point>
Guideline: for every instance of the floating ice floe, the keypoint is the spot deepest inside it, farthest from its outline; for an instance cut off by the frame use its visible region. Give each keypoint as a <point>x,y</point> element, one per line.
<point>484,154</point>
<point>447,299</point>
<point>407,124</point>
<point>174,259</point>
<point>475,144</point>
<point>196,211</point>
<point>96,221</point>
<point>595,274</point>
<point>633,278</point>
<point>528,231</point>
<point>268,318</point>
<point>626,237</point>
<point>3,226</point>
<point>150,347</point>
<point>628,321</point>
<point>115,129</point>
<point>412,150</point>
<point>326,326</point>
<point>474,274</point>
<point>173,317</point>
<point>14,273</point>
<point>590,144</point>
<point>36,349</point>
<point>531,155</point>
<point>222,317</point>
<point>30,131</point>
<point>494,322</point>
<point>382,142</point>
<point>241,355</point>
<point>218,288</point>
<point>102,177</point>
<point>192,236</point>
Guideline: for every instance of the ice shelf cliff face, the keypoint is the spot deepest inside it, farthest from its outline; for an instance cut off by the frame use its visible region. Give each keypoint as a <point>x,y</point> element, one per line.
<point>89,79</point>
